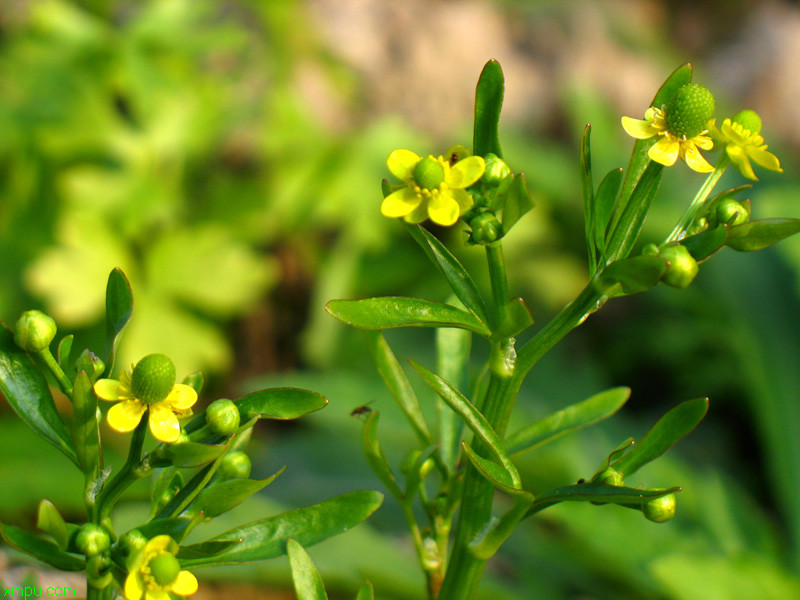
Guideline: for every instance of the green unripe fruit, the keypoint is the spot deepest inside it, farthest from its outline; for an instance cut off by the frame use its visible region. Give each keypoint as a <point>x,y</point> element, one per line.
<point>748,119</point>
<point>730,212</point>
<point>689,111</point>
<point>682,268</point>
<point>152,378</point>
<point>496,170</point>
<point>235,465</point>
<point>92,539</point>
<point>34,331</point>
<point>165,569</point>
<point>486,228</point>
<point>428,173</point>
<point>222,417</point>
<point>660,510</point>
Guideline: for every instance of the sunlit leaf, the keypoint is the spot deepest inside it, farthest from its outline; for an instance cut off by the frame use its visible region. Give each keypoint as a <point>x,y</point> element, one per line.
<point>630,275</point>
<point>222,496</point>
<point>119,309</point>
<point>597,493</point>
<point>44,550</point>
<point>757,235</point>
<point>305,576</point>
<point>488,102</point>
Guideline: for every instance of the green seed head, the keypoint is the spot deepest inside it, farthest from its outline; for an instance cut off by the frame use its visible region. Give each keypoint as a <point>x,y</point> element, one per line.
<point>660,510</point>
<point>748,119</point>
<point>428,173</point>
<point>689,110</point>
<point>153,378</point>
<point>682,268</point>
<point>165,569</point>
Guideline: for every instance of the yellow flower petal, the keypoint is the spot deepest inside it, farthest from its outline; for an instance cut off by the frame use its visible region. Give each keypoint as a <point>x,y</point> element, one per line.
<point>134,588</point>
<point>733,133</point>
<point>182,397</point>
<point>401,163</point>
<point>112,389</point>
<point>739,157</point>
<point>694,159</point>
<point>161,543</point>
<point>418,215</point>
<point>463,199</point>
<point>763,158</point>
<point>125,416</point>
<point>639,129</point>
<point>443,209</point>
<point>465,172</point>
<point>157,595</point>
<point>665,151</point>
<point>163,423</point>
<point>703,142</point>
<point>400,203</point>
<point>185,584</point>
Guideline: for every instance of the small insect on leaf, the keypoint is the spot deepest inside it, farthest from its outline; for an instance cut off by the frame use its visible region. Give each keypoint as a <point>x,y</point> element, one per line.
<point>364,409</point>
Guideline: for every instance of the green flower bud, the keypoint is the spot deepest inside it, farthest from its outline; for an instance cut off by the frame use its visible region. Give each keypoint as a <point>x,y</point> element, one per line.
<point>222,417</point>
<point>153,378</point>
<point>611,477</point>
<point>34,331</point>
<point>650,250</point>
<point>131,544</point>
<point>235,465</point>
<point>748,119</point>
<point>731,212</point>
<point>92,539</point>
<point>164,569</point>
<point>683,268</point>
<point>90,363</point>
<point>660,510</point>
<point>428,173</point>
<point>496,170</point>
<point>486,228</point>
<point>689,110</point>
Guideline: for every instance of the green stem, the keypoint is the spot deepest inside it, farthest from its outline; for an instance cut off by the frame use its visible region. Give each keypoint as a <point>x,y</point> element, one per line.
<point>126,475</point>
<point>699,201</point>
<point>499,281</point>
<point>63,381</point>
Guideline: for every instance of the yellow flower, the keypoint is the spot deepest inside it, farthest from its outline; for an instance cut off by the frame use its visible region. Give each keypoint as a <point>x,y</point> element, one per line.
<point>148,387</point>
<point>155,573</point>
<point>670,147</point>
<point>433,187</point>
<point>743,144</point>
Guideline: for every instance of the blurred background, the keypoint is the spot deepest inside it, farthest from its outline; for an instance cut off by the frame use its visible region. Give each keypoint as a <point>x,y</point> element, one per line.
<point>227,155</point>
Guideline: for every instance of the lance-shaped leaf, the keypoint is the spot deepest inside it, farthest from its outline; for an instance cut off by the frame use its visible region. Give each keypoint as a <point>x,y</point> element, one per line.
<point>456,275</point>
<point>671,428</point>
<point>204,550</point>
<point>630,275</point>
<point>704,244</point>
<point>395,379</point>
<point>587,192</point>
<point>514,201</point>
<point>27,392</point>
<point>631,219</point>
<point>305,576</point>
<point>174,527</point>
<point>190,454</point>
<point>597,493</point>
<point>517,318</point>
<point>222,496</point>
<point>365,592</point>
<point>488,541</point>
<point>472,418</point>
<point>757,235</point>
<point>397,311</point>
<point>85,429</point>
<point>488,102</point>
<point>189,491</point>
<point>452,359</point>
<point>377,459</point>
<point>280,403</point>
<point>119,308</point>
<point>44,550</point>
<point>572,418</point>
<point>605,202</point>
<point>49,520</point>
<point>267,538</point>
<point>63,352</point>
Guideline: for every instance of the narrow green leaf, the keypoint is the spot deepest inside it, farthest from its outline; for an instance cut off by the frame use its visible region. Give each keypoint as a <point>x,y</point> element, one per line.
<point>494,473</point>
<point>63,352</point>
<point>597,493</point>
<point>27,392</point>
<point>204,550</point>
<point>189,491</point>
<point>630,275</point>
<point>192,454</point>
<point>169,482</point>
<point>488,541</point>
<point>44,550</point>
<point>305,576</point>
<point>174,527</point>
<point>572,418</point>
<point>517,319</point>
<point>626,231</point>
<point>453,348</point>
<point>605,207</point>
<point>587,190</point>
<point>222,496</point>
<point>119,308</point>
<point>515,200</point>
<point>389,312</point>
<point>267,538</point>
<point>488,102</point>
<point>50,521</point>
<point>671,428</point>
<point>365,592</point>
<point>377,459</point>
<point>396,381</point>
<point>704,244</point>
<point>472,418</point>
<point>757,235</point>
<point>414,474</point>
<point>456,275</point>
<point>280,403</point>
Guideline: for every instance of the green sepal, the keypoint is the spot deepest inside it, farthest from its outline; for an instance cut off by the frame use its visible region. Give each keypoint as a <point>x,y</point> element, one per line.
<point>365,592</point>
<point>460,281</point>
<point>63,352</point>
<point>119,309</point>
<point>669,430</point>
<point>222,496</point>
<point>267,538</point>
<point>488,102</point>
<point>85,428</point>
<point>283,404</point>
<point>49,520</point>
<point>517,318</point>
<point>44,550</point>
<point>626,229</point>
<point>396,381</point>
<point>597,493</point>
<point>472,418</point>
<point>377,459</point>
<point>307,581</point>
<point>630,275</point>
<point>757,235</point>
<point>567,420</point>
<point>705,244</point>
<point>396,311</point>
<point>27,392</point>
<point>514,200</point>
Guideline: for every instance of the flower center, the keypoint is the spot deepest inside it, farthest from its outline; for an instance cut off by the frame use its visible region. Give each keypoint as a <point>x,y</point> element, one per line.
<point>164,569</point>
<point>689,111</point>
<point>152,378</point>
<point>429,173</point>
